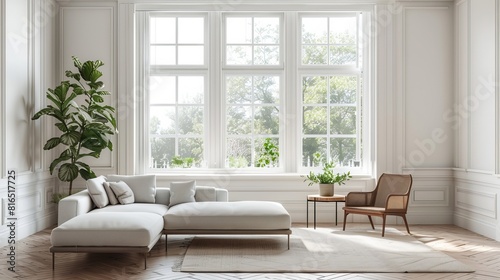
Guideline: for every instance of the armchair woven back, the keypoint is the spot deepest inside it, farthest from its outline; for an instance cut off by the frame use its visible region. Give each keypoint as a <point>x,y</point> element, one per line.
<point>392,184</point>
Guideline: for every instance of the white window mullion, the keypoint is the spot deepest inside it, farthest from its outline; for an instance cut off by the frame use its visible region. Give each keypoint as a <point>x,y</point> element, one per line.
<point>215,99</point>
<point>142,78</point>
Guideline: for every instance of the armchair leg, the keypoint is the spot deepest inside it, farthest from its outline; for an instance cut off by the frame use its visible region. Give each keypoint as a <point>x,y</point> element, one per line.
<point>371,221</point>
<point>383,226</point>
<point>406,224</point>
<point>345,219</point>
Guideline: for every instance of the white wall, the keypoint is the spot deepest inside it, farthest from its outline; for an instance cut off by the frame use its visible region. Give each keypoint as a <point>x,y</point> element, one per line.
<point>88,31</point>
<point>423,91</point>
<point>27,56</point>
<point>476,116</point>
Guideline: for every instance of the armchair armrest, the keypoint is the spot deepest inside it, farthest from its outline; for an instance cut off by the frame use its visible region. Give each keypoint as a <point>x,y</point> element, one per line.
<point>74,205</point>
<point>397,202</point>
<point>359,199</point>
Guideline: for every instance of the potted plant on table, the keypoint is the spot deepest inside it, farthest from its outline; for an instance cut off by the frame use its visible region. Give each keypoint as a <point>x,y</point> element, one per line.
<point>85,129</point>
<point>327,179</point>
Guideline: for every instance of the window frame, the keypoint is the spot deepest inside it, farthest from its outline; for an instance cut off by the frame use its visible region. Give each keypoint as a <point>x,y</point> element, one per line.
<point>364,72</point>
<point>290,71</point>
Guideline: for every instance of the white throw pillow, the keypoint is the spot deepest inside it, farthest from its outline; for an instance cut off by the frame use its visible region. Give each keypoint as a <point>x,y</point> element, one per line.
<point>182,192</point>
<point>111,195</point>
<point>97,192</point>
<point>143,186</point>
<point>123,192</point>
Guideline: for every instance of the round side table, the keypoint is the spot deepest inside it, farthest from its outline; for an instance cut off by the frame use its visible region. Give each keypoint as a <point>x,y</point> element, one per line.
<point>319,198</point>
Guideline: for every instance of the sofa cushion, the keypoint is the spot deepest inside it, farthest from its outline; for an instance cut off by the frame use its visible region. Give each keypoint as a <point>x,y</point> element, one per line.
<point>111,195</point>
<point>182,192</point>
<point>97,191</point>
<point>122,191</point>
<point>143,186</point>
<point>205,194</point>
<point>109,229</point>
<point>240,215</point>
<point>158,209</point>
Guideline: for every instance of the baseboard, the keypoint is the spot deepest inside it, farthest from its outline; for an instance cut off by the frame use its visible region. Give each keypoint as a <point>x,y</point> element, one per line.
<point>479,227</point>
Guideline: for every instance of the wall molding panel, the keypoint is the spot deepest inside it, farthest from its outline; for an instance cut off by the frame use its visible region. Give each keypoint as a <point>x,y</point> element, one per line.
<point>479,202</point>
<point>74,41</point>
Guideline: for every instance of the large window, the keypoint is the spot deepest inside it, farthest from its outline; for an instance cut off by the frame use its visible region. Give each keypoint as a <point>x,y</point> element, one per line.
<point>332,96</point>
<point>176,90</point>
<point>254,91</point>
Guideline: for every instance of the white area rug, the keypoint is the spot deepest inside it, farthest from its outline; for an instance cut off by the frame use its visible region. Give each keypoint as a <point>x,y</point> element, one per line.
<point>320,250</point>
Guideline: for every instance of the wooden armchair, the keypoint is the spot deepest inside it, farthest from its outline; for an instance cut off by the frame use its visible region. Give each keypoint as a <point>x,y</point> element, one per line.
<point>390,197</point>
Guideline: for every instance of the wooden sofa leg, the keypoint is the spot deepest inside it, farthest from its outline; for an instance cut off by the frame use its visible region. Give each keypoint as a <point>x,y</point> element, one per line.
<point>53,260</point>
<point>289,242</point>
<point>166,243</point>
<point>145,260</point>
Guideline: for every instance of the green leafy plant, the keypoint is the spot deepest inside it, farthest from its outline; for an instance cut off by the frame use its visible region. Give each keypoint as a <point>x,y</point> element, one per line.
<point>178,161</point>
<point>85,129</point>
<point>269,155</point>
<point>327,176</point>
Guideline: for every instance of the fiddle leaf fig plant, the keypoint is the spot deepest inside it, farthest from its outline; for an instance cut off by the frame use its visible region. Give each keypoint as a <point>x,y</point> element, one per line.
<point>327,176</point>
<point>85,129</point>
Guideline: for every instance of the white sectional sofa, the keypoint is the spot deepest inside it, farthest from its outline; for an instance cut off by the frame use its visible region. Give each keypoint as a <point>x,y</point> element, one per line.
<point>95,220</point>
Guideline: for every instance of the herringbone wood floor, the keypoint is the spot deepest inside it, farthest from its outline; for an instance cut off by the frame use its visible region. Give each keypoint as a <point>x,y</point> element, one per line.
<point>34,260</point>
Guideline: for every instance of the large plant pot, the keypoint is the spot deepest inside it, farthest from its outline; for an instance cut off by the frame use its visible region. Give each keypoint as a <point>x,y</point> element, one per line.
<point>326,189</point>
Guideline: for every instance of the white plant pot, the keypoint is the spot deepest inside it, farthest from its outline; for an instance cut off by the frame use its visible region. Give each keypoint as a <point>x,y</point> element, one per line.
<point>326,189</point>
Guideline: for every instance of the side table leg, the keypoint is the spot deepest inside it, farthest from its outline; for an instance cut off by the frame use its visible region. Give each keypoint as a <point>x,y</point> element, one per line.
<point>307,213</point>
<point>336,209</point>
<point>315,214</point>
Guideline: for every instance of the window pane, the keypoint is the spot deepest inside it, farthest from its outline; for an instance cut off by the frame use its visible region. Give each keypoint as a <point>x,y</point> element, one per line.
<point>162,30</point>
<point>239,55</point>
<point>314,54</point>
<point>266,55</point>
<point>266,30</point>
<point>191,151</point>
<point>239,120</point>
<point>343,89</point>
<point>314,90</point>
<point>191,89</point>
<point>343,30</point>
<point>343,151</point>
<point>191,30</point>
<point>191,55</point>
<point>239,89</point>
<point>239,152</point>
<point>162,55</point>
<point>190,120</point>
<point>313,151</point>
<point>266,89</point>
<point>343,55</point>
<point>238,30</point>
<point>315,30</point>
<point>266,152</point>
<point>161,90</point>
<point>343,120</point>
<point>315,120</point>
<point>162,150</point>
<point>253,41</point>
<point>267,120</point>
<point>162,120</point>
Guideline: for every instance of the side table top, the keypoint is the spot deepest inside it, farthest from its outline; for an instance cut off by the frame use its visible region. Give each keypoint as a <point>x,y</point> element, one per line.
<point>335,197</point>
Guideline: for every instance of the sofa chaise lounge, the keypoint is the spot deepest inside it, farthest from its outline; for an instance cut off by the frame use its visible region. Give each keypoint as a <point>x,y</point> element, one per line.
<point>129,214</point>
